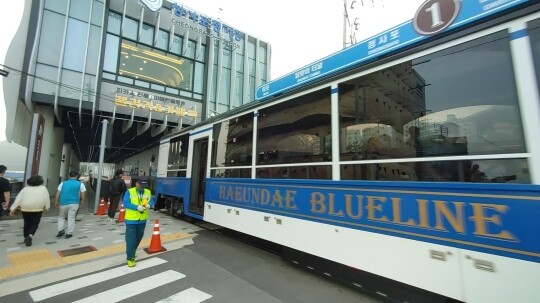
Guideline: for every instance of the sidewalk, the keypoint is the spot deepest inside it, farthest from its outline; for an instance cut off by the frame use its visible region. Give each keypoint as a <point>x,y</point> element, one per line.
<point>94,238</point>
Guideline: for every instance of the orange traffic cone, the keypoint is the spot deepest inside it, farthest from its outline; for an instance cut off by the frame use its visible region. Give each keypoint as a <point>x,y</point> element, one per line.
<point>101,209</point>
<point>155,242</point>
<point>107,205</point>
<point>121,215</point>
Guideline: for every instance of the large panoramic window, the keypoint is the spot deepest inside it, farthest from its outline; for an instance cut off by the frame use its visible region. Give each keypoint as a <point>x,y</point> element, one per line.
<point>534,34</point>
<point>461,101</point>
<point>232,142</point>
<point>294,137</point>
<point>143,63</point>
<point>178,152</point>
<point>296,131</point>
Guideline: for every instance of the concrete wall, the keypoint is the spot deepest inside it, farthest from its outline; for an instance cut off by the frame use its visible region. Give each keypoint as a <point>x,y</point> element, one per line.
<point>51,150</point>
<point>141,162</point>
<point>75,163</point>
<point>65,164</point>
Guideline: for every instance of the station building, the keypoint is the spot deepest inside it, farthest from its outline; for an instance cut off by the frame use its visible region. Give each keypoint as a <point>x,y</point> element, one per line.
<point>146,67</point>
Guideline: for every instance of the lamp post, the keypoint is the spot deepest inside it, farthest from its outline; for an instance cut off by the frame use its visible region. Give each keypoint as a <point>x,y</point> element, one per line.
<point>100,167</point>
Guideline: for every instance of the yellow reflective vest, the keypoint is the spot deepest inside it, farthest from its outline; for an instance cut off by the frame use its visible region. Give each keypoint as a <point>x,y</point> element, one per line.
<point>137,199</point>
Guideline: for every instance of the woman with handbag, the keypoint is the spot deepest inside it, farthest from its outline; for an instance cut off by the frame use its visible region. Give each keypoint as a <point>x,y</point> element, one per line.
<point>32,200</point>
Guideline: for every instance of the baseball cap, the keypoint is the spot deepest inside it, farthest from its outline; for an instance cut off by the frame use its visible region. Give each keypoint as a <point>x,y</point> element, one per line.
<point>143,181</point>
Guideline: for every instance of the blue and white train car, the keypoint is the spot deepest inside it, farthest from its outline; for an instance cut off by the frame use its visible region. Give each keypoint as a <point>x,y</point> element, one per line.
<point>407,164</point>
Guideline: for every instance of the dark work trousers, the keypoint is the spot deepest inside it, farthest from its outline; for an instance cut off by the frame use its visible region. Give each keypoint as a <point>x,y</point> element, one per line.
<point>114,205</point>
<point>3,212</point>
<point>134,235</point>
<point>31,222</point>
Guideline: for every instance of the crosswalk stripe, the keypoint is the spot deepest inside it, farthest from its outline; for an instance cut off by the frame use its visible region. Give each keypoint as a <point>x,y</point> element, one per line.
<point>190,295</point>
<point>134,288</point>
<point>64,287</point>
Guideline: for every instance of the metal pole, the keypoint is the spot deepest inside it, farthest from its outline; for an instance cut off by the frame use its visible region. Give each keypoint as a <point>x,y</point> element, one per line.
<point>100,166</point>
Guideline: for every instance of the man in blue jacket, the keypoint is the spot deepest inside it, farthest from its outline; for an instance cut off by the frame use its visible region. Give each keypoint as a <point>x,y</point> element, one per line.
<point>69,197</point>
<point>137,201</point>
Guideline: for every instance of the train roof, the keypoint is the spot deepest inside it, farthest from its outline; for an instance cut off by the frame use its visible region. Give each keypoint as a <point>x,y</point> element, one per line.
<point>363,53</point>
<point>455,14</point>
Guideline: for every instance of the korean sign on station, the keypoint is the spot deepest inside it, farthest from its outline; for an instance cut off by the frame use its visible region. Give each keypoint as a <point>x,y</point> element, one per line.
<point>127,99</point>
<point>144,101</point>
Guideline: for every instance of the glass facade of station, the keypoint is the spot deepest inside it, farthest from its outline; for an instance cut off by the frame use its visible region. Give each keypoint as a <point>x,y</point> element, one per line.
<point>169,65</point>
<point>67,51</point>
<point>95,55</point>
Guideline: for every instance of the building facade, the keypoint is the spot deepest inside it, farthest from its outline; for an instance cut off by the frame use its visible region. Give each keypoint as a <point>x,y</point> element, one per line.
<point>145,68</point>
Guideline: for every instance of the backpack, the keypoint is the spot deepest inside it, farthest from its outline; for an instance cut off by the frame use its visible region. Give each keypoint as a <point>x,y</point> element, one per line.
<point>118,187</point>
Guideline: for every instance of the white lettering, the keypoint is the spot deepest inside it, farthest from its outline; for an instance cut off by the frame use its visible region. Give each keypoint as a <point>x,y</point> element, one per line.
<point>217,39</point>
<point>384,47</point>
<point>317,66</point>
<point>383,39</point>
<point>372,44</point>
<point>299,74</point>
<point>495,4</point>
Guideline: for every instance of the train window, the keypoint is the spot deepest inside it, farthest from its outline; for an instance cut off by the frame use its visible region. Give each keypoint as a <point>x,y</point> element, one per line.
<point>178,152</point>
<point>231,173</point>
<point>296,172</point>
<point>176,173</point>
<point>458,101</point>
<point>295,131</point>
<point>478,171</point>
<point>534,34</point>
<point>232,142</point>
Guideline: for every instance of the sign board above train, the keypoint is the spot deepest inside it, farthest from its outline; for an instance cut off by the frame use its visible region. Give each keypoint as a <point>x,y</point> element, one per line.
<point>431,18</point>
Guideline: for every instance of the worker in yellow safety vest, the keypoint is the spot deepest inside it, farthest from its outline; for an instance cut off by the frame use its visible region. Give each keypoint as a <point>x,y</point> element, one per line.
<point>137,201</point>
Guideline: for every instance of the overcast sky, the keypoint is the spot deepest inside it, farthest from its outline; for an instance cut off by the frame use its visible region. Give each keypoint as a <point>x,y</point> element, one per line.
<point>303,31</point>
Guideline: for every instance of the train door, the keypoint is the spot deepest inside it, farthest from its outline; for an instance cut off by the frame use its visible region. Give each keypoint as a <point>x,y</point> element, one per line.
<point>198,175</point>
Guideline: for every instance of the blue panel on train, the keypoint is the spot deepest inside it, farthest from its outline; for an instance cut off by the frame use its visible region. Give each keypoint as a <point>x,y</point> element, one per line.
<point>174,186</point>
<point>500,219</point>
<point>399,37</point>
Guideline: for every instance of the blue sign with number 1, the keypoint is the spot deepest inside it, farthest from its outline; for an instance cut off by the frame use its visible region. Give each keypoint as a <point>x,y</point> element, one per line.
<point>432,18</point>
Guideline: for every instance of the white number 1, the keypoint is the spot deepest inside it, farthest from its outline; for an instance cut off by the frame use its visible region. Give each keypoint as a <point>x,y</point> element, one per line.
<point>435,10</point>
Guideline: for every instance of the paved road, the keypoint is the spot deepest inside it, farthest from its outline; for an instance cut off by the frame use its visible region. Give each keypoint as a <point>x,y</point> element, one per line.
<point>199,266</point>
<point>212,269</point>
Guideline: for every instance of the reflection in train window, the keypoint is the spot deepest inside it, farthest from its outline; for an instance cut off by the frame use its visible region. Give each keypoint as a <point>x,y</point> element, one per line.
<point>178,152</point>
<point>232,142</point>
<point>295,131</point>
<point>444,104</point>
<point>296,172</point>
<point>478,171</point>
<point>231,173</point>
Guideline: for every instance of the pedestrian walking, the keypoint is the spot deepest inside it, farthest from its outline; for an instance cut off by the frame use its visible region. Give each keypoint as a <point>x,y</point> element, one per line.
<point>70,195</point>
<point>32,200</point>
<point>117,189</point>
<point>5,190</point>
<point>77,219</point>
<point>137,201</point>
